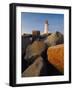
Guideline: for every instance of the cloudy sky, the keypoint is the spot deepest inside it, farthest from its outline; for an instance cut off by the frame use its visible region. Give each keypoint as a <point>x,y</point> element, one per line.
<point>35,21</point>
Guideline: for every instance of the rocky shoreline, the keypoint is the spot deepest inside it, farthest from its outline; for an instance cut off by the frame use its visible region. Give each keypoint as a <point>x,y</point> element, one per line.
<point>43,56</point>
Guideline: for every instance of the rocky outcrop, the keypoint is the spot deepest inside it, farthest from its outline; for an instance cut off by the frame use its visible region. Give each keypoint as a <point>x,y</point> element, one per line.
<point>56,56</point>
<point>43,57</point>
<point>26,40</point>
<point>34,69</point>
<point>35,49</point>
<point>54,39</point>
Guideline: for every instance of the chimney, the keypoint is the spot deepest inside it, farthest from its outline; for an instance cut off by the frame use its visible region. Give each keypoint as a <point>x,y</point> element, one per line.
<point>46,27</point>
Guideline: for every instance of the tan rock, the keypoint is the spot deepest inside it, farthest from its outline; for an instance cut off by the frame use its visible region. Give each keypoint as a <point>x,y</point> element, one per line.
<point>54,39</point>
<point>56,56</point>
<point>34,49</point>
<point>34,69</point>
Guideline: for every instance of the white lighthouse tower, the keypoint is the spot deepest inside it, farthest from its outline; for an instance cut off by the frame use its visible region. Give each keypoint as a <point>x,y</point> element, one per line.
<point>46,27</point>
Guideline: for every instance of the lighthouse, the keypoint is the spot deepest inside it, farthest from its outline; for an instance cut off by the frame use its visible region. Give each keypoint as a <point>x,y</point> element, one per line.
<point>46,27</point>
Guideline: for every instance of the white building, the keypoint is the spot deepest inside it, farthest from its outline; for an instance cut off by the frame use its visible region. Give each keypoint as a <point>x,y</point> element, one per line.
<point>46,27</point>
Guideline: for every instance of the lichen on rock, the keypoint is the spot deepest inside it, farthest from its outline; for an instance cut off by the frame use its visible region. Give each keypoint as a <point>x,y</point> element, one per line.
<point>56,56</point>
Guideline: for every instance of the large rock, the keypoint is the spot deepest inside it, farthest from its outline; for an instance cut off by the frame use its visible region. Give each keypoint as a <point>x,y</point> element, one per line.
<point>54,39</point>
<point>26,40</point>
<point>35,49</point>
<point>56,56</point>
<point>34,69</point>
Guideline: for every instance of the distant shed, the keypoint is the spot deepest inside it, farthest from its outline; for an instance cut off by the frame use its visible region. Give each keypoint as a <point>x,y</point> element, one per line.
<point>35,35</point>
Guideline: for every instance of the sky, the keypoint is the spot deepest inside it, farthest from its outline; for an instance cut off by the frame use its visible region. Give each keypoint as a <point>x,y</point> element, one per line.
<point>35,21</point>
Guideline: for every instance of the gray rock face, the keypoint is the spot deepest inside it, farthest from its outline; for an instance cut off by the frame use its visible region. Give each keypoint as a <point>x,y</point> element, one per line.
<point>26,40</point>
<point>35,49</point>
<point>54,39</point>
<point>34,69</point>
